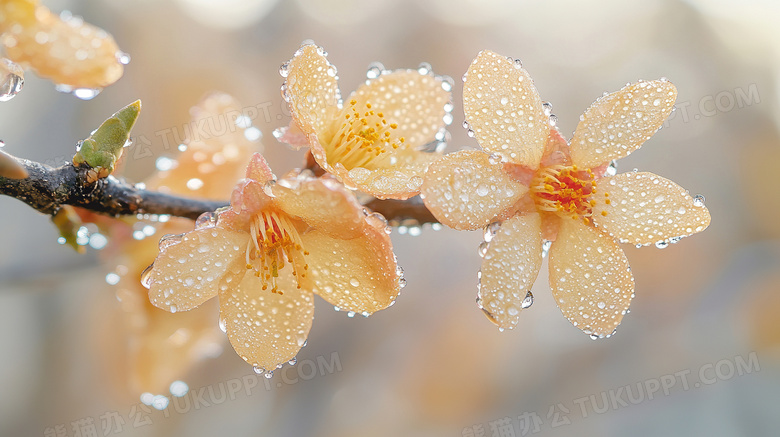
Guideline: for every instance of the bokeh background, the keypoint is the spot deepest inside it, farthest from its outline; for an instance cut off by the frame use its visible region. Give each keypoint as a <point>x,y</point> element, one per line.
<point>432,364</point>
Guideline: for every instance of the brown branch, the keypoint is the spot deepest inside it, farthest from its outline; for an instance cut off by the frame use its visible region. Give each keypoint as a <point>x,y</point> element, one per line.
<point>46,189</point>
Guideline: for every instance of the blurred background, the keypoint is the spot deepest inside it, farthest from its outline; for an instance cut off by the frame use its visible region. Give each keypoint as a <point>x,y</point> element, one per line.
<point>705,312</point>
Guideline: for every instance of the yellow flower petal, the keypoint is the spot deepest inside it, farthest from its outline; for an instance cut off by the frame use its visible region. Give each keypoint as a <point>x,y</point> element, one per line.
<point>617,124</point>
<point>400,181</point>
<point>188,273</point>
<point>645,208</point>
<point>355,275</point>
<point>464,190</point>
<point>504,110</point>
<point>312,90</point>
<point>323,204</point>
<point>67,51</point>
<point>266,329</point>
<point>590,278</point>
<point>413,101</point>
<point>509,269</point>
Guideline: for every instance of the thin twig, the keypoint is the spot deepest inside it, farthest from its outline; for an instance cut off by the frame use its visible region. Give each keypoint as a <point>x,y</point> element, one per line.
<point>47,188</point>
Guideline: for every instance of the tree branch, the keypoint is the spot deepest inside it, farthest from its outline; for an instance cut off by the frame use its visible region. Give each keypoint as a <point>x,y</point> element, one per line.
<point>46,189</point>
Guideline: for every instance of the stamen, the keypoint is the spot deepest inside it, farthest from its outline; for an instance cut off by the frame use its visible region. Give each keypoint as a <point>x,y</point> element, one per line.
<point>363,139</point>
<point>564,190</point>
<point>274,238</point>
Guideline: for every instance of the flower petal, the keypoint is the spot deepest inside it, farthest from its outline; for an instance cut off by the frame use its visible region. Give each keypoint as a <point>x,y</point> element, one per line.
<point>323,204</point>
<point>590,278</point>
<point>617,124</point>
<point>187,273</point>
<point>504,109</point>
<point>414,101</point>
<point>401,180</point>
<point>645,208</point>
<point>267,329</point>
<point>355,275</point>
<point>312,91</point>
<point>509,269</point>
<point>464,190</point>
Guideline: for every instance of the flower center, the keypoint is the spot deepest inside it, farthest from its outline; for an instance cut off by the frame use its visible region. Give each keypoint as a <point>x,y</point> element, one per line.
<point>363,139</point>
<point>274,239</point>
<point>564,190</point>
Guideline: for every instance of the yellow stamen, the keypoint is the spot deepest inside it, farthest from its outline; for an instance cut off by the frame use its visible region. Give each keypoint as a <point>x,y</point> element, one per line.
<point>274,238</point>
<point>363,139</point>
<point>565,191</point>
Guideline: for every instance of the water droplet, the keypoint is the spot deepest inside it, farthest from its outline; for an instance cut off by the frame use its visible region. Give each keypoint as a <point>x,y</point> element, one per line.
<point>375,70</point>
<point>494,158</point>
<point>223,324</point>
<point>147,398</point>
<point>528,300</point>
<point>518,63</point>
<point>146,277</point>
<point>205,220</point>
<point>698,200</point>
<point>179,388</point>
<point>546,248</point>
<point>160,402</point>
<point>164,163</point>
<point>594,337</point>
<point>483,248</point>
<point>351,314</point>
<point>663,244</point>
<point>611,168</point>
<point>13,80</point>
<point>284,69</point>
<point>424,68</point>
<point>258,370</point>
<point>194,184</point>
<point>547,108</point>
<point>293,361</point>
<point>182,147</point>
<point>269,374</point>
<point>123,58</point>
<point>112,278</point>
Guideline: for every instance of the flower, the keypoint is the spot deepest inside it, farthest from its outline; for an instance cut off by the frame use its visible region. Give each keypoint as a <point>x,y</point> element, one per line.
<point>62,48</point>
<point>530,185</point>
<point>264,256</point>
<point>161,347</point>
<point>375,141</point>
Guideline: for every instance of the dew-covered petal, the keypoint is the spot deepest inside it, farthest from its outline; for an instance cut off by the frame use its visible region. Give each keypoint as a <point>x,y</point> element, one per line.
<point>355,275</point>
<point>509,268</point>
<point>187,273</point>
<point>323,204</point>
<point>312,90</point>
<point>617,124</point>
<point>414,102</point>
<point>265,328</point>
<point>504,109</point>
<point>645,208</point>
<point>465,190</point>
<point>590,278</point>
<point>59,47</point>
<point>400,180</point>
